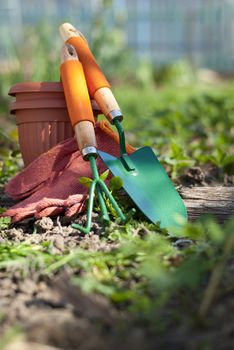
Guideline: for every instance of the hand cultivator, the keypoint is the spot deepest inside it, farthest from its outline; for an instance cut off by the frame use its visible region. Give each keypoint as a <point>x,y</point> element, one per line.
<point>81,115</point>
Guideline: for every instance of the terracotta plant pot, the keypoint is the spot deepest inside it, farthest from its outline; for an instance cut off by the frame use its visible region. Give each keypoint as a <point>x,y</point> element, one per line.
<point>41,117</point>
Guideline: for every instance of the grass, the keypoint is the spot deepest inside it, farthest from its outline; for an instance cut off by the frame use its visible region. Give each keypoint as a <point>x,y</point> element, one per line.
<point>145,271</point>
<point>187,126</point>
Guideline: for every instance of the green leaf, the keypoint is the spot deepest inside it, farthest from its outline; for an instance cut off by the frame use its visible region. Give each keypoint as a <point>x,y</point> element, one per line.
<point>2,209</point>
<point>85,181</point>
<point>229,164</point>
<point>104,175</point>
<point>215,232</point>
<point>5,222</point>
<point>115,183</point>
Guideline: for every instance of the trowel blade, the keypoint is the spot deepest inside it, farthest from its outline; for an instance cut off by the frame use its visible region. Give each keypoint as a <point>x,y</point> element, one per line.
<point>149,187</point>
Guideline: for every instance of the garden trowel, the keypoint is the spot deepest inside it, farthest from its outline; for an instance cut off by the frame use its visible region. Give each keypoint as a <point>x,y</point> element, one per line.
<point>144,178</point>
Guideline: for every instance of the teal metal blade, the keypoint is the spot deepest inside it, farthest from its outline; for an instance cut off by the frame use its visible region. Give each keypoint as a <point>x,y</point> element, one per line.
<point>149,186</point>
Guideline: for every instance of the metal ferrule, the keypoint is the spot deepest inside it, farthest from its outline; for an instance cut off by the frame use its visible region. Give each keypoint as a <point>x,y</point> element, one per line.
<point>89,151</point>
<point>115,114</point>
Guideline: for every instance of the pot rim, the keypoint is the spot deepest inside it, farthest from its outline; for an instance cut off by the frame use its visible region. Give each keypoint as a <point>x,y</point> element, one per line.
<point>45,104</point>
<point>41,104</point>
<point>35,87</point>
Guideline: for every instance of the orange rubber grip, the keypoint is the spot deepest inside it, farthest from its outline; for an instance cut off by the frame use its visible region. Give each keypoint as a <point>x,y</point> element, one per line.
<point>76,92</point>
<point>94,77</point>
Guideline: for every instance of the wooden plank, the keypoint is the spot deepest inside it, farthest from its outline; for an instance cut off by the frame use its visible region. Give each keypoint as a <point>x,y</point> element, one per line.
<point>216,201</point>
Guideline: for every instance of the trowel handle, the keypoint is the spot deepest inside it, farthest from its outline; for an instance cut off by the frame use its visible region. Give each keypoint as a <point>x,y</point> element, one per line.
<point>98,86</point>
<point>78,101</point>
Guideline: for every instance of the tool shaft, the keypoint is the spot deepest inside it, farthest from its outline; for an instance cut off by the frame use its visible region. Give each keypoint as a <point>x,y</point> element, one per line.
<point>78,101</point>
<point>98,86</point>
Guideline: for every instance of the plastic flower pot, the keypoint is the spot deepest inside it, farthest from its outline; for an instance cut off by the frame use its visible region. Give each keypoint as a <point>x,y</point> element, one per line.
<point>41,117</point>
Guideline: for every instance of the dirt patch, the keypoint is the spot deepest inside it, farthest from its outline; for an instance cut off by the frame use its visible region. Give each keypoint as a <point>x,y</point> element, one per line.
<point>56,313</point>
<point>60,237</point>
<point>52,311</point>
<point>206,175</point>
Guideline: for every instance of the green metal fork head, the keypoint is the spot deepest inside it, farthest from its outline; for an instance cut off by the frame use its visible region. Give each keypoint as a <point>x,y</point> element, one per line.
<point>101,188</point>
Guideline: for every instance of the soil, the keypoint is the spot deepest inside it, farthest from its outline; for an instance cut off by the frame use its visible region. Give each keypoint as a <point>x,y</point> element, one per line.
<point>53,312</point>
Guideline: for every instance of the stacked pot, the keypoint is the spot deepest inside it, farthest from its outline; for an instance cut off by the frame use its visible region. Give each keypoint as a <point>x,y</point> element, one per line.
<point>41,117</point>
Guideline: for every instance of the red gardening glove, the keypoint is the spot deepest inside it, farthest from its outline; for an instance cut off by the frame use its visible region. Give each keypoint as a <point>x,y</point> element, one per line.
<point>51,183</point>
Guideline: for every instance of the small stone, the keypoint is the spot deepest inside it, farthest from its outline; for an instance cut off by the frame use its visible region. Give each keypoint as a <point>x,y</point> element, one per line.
<point>27,286</point>
<point>59,242</point>
<point>7,288</point>
<point>41,286</point>
<point>2,240</point>
<point>44,224</point>
<point>182,243</point>
<point>72,244</point>
<point>15,234</point>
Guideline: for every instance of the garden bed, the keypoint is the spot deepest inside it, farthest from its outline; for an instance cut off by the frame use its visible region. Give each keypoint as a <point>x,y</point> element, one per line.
<point>134,285</point>
<point>47,308</point>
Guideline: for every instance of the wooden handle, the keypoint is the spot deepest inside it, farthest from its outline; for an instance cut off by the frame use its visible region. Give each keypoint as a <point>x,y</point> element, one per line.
<point>85,137</point>
<point>68,53</point>
<point>77,97</point>
<point>98,86</point>
<point>107,102</point>
<point>68,31</point>
<point>93,74</point>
